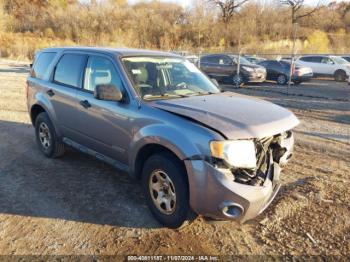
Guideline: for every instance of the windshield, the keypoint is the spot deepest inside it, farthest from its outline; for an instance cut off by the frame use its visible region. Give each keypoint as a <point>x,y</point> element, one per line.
<point>167,77</point>
<point>339,60</point>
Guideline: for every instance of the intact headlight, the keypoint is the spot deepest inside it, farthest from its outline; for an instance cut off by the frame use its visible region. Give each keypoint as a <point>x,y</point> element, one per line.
<point>237,153</point>
<point>249,69</point>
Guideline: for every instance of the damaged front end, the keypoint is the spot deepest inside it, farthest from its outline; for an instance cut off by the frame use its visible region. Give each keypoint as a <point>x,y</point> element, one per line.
<point>272,153</point>
<point>225,192</point>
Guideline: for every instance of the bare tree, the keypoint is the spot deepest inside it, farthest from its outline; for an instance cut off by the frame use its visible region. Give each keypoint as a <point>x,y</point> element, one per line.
<point>296,7</point>
<point>227,7</point>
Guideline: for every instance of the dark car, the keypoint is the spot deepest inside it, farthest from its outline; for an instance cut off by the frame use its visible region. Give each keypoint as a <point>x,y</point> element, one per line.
<point>223,68</point>
<point>279,71</point>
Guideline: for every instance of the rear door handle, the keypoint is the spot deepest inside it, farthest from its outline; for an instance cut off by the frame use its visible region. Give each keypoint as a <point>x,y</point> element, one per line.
<point>85,103</point>
<point>50,92</point>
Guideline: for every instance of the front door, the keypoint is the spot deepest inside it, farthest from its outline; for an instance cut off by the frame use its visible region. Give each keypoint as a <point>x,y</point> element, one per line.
<point>103,125</point>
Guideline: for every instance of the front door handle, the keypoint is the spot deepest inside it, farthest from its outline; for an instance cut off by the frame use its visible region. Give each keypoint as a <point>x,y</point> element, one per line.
<point>50,92</point>
<point>85,103</point>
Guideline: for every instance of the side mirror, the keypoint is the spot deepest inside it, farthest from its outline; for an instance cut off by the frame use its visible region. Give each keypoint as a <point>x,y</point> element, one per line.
<point>108,93</point>
<point>214,81</point>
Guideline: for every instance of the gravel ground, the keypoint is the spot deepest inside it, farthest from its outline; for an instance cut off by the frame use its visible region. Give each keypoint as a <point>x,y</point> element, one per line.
<point>78,205</point>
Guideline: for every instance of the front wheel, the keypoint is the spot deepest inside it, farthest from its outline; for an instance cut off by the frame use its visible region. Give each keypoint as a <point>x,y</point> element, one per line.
<point>339,76</point>
<point>238,80</point>
<point>166,190</point>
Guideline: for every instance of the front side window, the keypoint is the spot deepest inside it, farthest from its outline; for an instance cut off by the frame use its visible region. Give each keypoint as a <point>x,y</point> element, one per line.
<point>42,64</point>
<point>166,77</point>
<point>327,60</point>
<point>69,69</point>
<point>100,71</point>
<point>242,60</point>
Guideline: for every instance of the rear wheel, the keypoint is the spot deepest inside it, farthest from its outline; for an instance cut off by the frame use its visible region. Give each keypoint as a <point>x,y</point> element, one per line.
<point>46,137</point>
<point>166,190</point>
<point>339,76</point>
<point>281,80</point>
<point>297,82</point>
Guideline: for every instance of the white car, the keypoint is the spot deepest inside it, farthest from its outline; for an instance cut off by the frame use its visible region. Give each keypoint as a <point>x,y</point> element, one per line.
<point>324,65</point>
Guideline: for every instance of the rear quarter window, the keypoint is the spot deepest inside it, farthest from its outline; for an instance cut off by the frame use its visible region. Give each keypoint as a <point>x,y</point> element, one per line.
<point>69,70</point>
<point>42,64</point>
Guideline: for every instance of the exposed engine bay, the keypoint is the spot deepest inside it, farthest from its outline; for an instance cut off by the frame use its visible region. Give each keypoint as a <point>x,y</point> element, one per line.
<point>271,153</point>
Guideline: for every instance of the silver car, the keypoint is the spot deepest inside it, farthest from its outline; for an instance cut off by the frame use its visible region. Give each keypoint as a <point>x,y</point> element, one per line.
<point>154,115</point>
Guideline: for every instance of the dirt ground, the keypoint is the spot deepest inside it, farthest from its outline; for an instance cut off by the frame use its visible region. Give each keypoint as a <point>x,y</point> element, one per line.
<point>78,205</point>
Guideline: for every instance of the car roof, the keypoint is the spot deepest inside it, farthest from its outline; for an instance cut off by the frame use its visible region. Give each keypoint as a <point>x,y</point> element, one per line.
<point>115,51</point>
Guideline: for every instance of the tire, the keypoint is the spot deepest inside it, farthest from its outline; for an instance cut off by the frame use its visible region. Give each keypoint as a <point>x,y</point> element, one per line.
<point>50,145</point>
<point>298,82</point>
<point>178,210</point>
<point>281,80</point>
<point>339,76</point>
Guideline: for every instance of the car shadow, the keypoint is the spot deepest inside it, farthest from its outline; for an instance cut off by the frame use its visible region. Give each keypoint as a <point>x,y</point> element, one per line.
<point>75,187</point>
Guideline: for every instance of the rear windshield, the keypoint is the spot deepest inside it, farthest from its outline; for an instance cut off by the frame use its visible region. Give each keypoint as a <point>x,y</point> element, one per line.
<point>41,64</point>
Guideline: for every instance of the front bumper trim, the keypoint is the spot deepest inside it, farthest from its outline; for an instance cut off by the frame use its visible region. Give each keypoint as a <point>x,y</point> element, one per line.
<point>210,188</point>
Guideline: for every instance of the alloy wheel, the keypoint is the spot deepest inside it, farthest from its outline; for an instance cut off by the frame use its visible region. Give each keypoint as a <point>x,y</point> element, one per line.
<point>44,135</point>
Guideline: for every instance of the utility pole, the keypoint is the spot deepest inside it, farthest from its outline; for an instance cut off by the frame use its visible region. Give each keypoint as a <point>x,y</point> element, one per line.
<point>295,27</point>
<point>238,77</point>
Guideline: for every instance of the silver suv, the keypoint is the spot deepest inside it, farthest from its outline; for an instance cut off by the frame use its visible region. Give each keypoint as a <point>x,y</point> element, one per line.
<point>154,115</point>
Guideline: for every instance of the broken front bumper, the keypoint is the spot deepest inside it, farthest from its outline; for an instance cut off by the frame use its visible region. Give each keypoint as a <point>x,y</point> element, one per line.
<point>212,192</point>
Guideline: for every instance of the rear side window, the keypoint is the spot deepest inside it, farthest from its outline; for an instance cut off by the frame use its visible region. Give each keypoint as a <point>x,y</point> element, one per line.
<point>225,61</point>
<point>311,59</point>
<point>42,64</point>
<point>210,59</point>
<point>69,70</point>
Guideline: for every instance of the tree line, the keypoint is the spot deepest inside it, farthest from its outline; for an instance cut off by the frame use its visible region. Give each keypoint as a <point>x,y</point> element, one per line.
<point>206,26</point>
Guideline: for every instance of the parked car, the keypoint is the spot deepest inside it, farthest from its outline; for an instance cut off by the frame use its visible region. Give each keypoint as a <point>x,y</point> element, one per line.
<point>223,68</point>
<point>279,71</point>
<point>254,59</point>
<point>346,57</point>
<point>156,116</point>
<point>325,65</point>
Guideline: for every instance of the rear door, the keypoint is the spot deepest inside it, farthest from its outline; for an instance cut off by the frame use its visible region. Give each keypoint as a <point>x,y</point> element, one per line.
<point>314,62</point>
<point>66,78</point>
<point>209,65</point>
<point>103,125</point>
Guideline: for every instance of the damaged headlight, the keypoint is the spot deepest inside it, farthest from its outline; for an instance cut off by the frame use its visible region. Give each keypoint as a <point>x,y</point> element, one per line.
<point>236,153</point>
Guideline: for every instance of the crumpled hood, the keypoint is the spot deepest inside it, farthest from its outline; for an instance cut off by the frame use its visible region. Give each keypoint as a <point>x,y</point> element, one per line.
<point>233,115</point>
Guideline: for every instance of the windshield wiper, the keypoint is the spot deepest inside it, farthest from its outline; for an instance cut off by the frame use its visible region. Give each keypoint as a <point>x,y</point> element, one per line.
<point>163,95</point>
